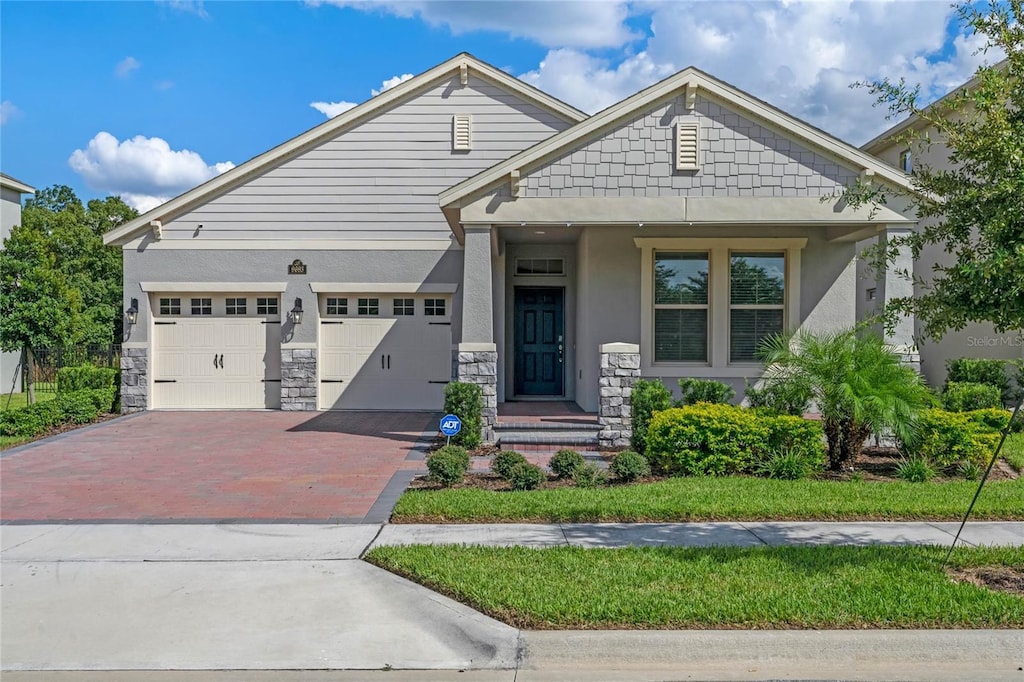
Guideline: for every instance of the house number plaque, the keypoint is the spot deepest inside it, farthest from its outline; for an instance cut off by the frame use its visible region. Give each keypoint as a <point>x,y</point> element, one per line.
<point>297,267</point>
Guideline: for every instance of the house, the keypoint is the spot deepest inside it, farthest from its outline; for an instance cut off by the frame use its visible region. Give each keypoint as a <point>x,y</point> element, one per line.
<point>10,216</point>
<point>466,225</point>
<point>975,340</point>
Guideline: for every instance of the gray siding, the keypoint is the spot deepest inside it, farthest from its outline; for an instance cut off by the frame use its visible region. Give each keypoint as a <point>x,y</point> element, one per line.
<point>381,178</point>
<point>739,157</point>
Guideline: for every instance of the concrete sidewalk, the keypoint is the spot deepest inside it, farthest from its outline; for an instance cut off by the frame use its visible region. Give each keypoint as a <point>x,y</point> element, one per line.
<point>745,534</point>
<point>233,601</point>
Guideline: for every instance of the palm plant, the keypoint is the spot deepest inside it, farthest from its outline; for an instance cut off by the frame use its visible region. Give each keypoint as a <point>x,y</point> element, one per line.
<point>857,381</point>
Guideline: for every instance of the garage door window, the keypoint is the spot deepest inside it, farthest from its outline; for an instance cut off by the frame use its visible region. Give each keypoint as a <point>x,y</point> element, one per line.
<point>170,306</point>
<point>434,307</point>
<point>266,306</point>
<point>404,306</point>
<point>337,306</point>
<point>369,306</point>
<point>202,306</point>
<point>235,306</point>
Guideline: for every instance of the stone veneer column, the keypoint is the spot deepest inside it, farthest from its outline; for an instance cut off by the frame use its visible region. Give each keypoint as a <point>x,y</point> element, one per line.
<point>298,379</point>
<point>477,363</point>
<point>620,369</point>
<point>134,379</point>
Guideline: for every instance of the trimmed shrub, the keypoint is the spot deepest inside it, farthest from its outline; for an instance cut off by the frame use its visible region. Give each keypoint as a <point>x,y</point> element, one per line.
<point>448,465</point>
<point>589,476</point>
<point>992,419</point>
<point>564,462</point>
<point>948,438</point>
<point>980,371</point>
<point>629,466</point>
<point>963,396</point>
<point>648,397</point>
<point>704,391</point>
<point>79,407</point>
<point>86,377</point>
<point>526,476</point>
<point>506,460</point>
<point>782,396</point>
<point>707,439</point>
<point>915,470</point>
<point>466,402</point>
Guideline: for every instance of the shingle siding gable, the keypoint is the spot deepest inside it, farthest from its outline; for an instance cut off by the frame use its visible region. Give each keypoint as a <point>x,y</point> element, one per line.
<point>738,157</point>
<point>381,178</point>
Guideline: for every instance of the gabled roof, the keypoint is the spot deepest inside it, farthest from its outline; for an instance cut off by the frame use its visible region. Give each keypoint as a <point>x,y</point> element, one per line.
<point>606,120</point>
<point>17,185</point>
<point>887,138</point>
<point>340,123</point>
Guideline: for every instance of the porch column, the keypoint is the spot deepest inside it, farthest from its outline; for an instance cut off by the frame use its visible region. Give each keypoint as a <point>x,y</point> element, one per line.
<point>897,282</point>
<point>477,297</point>
<point>477,354</point>
<point>620,369</point>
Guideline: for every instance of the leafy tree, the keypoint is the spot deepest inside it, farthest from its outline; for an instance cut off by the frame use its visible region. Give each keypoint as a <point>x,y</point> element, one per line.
<point>975,210</point>
<point>59,285</point>
<point>857,381</point>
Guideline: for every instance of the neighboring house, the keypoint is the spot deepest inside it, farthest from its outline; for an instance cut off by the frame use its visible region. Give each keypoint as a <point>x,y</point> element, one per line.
<point>10,215</point>
<point>464,224</point>
<point>975,340</point>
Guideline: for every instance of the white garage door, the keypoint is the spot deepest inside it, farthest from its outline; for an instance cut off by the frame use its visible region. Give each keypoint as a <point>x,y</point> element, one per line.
<point>216,362</point>
<point>379,360</point>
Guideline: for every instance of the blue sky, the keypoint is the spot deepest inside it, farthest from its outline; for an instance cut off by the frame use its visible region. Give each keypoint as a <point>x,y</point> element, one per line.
<point>146,99</point>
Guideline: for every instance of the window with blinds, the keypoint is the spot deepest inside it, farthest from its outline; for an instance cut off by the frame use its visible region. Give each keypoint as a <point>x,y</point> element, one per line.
<point>757,295</point>
<point>681,307</point>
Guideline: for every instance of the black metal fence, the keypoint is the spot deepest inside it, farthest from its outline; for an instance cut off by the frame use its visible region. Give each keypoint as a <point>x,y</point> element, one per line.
<point>40,367</point>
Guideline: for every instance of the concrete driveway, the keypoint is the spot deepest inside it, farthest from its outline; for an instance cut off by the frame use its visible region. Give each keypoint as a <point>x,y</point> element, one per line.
<point>204,467</point>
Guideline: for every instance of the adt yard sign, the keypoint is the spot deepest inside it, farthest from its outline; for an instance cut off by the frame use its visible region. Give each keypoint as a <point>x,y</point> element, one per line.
<point>450,425</point>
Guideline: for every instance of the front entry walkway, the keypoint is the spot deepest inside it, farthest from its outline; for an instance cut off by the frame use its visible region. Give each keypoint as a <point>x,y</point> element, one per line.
<point>204,467</point>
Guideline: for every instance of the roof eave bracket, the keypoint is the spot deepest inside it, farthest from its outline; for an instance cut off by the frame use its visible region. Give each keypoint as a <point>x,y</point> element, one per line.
<point>157,228</point>
<point>691,95</point>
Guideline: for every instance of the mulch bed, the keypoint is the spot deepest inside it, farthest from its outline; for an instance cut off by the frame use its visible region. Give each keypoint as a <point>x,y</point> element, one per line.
<point>874,464</point>
<point>999,578</point>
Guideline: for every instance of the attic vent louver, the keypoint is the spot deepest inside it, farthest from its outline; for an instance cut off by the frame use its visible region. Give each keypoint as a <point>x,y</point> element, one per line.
<point>687,146</point>
<point>462,128</point>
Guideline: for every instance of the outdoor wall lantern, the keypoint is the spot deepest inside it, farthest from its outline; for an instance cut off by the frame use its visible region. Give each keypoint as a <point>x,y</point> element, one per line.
<point>296,313</point>
<point>132,314</point>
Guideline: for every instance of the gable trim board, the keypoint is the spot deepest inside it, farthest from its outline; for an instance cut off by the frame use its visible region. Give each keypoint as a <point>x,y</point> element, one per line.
<point>335,126</point>
<point>685,81</point>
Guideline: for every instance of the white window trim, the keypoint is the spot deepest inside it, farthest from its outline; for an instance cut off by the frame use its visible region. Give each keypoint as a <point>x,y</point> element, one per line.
<point>719,250</point>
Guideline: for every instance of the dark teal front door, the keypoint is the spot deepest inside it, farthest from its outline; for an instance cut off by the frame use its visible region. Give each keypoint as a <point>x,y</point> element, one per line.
<point>539,341</point>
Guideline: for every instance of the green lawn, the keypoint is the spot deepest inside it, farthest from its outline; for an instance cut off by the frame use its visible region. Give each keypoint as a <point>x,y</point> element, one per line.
<point>711,499</point>
<point>1013,450</point>
<point>723,587</point>
<point>17,400</point>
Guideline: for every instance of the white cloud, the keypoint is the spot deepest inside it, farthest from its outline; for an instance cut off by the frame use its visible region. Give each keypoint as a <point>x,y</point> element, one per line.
<point>8,111</point>
<point>127,67</point>
<point>392,82</point>
<point>186,6</point>
<point>799,56</point>
<point>163,85</point>
<point>332,109</point>
<point>144,171</point>
<point>553,23</point>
